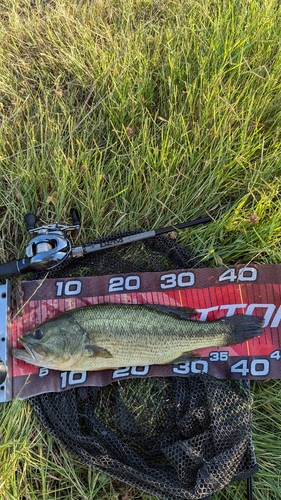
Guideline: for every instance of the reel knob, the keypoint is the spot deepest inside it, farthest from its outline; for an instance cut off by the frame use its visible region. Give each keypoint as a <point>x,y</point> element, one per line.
<point>30,220</point>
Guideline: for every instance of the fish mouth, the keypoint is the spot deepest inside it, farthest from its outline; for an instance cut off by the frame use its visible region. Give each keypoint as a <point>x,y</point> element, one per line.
<point>27,354</point>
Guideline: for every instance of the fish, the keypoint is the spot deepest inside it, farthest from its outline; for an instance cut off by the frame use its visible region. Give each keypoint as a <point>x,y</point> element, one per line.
<point>110,336</point>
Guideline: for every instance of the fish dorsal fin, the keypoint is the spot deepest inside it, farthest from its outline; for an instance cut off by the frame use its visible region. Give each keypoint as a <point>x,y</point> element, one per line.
<point>176,311</point>
<point>97,352</point>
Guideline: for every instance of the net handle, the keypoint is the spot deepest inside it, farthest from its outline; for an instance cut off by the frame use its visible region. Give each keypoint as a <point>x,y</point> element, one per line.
<point>250,488</point>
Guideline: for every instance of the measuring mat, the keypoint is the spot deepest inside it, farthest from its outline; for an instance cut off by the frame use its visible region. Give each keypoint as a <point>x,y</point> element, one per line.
<point>214,293</point>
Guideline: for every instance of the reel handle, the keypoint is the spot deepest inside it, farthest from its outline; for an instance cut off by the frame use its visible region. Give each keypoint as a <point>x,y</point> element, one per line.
<point>30,220</point>
<point>75,217</point>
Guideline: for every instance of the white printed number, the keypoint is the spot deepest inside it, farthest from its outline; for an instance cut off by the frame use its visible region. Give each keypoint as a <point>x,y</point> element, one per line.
<point>200,366</point>
<point>256,368</point>
<point>244,274</point>
<point>72,378</point>
<point>119,283</point>
<point>275,355</point>
<point>71,287</point>
<point>173,280</point>
<point>131,370</point>
<point>218,356</point>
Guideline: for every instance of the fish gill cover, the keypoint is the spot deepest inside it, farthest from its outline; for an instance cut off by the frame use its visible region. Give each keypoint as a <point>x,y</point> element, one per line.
<point>173,437</point>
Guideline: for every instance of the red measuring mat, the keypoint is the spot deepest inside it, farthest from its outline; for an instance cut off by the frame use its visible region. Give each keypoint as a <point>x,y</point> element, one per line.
<point>214,293</point>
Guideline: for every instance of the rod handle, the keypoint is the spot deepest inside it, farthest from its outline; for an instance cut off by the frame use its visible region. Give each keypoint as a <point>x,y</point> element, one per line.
<point>15,268</point>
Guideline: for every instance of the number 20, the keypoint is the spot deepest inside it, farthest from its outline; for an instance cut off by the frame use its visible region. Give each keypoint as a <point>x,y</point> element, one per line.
<point>119,283</point>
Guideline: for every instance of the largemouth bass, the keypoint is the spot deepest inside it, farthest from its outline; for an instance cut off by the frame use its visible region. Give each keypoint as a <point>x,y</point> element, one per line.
<point>114,335</point>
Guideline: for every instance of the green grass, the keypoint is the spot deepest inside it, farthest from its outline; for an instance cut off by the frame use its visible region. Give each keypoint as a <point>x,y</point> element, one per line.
<point>148,113</point>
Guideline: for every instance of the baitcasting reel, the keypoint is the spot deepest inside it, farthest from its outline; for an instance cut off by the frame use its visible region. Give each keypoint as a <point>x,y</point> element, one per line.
<point>51,246</point>
<point>46,250</point>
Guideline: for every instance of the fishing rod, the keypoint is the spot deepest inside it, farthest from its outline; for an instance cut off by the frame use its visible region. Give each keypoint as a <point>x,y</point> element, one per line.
<point>51,245</point>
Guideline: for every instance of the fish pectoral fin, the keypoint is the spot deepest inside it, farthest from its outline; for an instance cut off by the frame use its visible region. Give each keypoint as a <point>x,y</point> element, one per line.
<point>96,351</point>
<point>176,311</point>
<point>185,357</point>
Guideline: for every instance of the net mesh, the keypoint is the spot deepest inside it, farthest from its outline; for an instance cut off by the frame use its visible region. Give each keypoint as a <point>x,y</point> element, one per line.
<point>176,438</point>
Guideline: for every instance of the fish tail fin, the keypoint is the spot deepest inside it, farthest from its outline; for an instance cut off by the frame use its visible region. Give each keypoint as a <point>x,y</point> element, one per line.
<point>245,327</point>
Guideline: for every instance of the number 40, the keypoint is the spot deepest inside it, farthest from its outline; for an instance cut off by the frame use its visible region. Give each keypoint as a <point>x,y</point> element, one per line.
<point>244,274</point>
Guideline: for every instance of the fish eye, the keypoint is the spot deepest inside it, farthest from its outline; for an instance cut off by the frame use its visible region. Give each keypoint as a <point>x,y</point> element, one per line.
<point>38,334</point>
